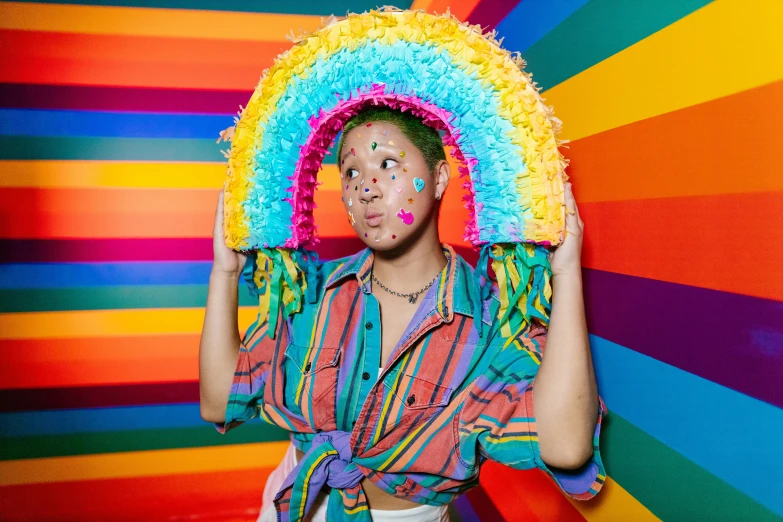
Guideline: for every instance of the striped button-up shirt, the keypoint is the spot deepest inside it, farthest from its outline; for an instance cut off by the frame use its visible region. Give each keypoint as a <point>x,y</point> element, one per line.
<point>446,400</point>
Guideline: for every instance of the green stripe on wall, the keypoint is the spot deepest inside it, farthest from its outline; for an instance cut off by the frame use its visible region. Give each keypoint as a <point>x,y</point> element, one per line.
<point>118,149</point>
<point>668,484</point>
<point>135,440</point>
<point>110,298</point>
<point>598,30</point>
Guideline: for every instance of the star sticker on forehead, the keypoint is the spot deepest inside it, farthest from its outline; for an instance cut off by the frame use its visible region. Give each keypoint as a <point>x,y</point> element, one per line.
<point>410,201</point>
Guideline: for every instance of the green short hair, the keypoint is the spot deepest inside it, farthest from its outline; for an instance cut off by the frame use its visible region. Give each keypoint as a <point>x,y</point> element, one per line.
<point>423,137</point>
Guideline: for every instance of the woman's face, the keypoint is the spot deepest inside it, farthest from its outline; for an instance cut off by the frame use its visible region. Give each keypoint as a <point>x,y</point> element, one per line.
<point>388,191</point>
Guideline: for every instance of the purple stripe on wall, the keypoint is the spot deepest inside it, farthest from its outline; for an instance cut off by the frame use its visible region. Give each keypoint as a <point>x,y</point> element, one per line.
<point>166,249</point>
<point>98,396</point>
<point>93,98</point>
<point>731,339</point>
<point>489,13</point>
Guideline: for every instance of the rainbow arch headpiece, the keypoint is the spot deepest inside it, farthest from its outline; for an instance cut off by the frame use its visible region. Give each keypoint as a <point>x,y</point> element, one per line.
<point>456,79</point>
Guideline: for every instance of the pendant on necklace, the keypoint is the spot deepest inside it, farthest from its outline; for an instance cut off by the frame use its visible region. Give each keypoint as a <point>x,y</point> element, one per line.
<point>412,298</point>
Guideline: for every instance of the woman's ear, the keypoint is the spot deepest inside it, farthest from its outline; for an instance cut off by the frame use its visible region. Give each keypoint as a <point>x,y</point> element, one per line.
<point>442,176</point>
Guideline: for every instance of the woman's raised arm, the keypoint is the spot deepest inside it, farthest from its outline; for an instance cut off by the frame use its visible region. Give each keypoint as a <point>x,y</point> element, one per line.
<point>220,341</point>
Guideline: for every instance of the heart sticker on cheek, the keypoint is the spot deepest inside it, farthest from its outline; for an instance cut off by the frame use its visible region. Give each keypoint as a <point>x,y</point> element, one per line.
<point>406,217</point>
<point>418,184</point>
<point>399,189</point>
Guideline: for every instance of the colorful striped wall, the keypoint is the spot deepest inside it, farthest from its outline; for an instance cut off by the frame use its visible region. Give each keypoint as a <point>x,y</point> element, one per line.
<point>109,172</point>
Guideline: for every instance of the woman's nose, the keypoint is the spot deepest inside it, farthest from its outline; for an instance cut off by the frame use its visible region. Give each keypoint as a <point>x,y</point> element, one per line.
<point>369,190</point>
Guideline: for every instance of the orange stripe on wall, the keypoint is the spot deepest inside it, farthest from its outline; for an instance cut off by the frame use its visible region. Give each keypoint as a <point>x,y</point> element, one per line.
<point>116,213</point>
<point>459,8</point>
<point>729,145</point>
<point>129,74</point>
<point>727,242</point>
<point>32,363</point>
<point>225,495</point>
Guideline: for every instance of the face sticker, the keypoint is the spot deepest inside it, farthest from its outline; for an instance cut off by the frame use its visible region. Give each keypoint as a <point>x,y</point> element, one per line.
<point>386,132</point>
<point>356,187</point>
<point>353,152</point>
<point>404,169</point>
<point>369,124</point>
<point>402,153</point>
<point>391,142</point>
<point>358,135</point>
<point>406,217</point>
<point>410,202</point>
<point>399,189</point>
<point>394,236</point>
<point>393,176</point>
<point>418,184</point>
<point>362,183</point>
<point>350,202</point>
<point>374,145</point>
<point>377,240</point>
<point>346,187</point>
<point>365,234</point>
<point>351,219</point>
<point>367,190</point>
<point>374,180</point>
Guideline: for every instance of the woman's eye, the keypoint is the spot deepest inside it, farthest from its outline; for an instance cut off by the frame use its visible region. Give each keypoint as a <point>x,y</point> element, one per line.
<point>388,163</point>
<point>352,173</point>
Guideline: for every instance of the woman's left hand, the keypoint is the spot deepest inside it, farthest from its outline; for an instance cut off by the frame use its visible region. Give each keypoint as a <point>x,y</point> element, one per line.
<point>567,257</point>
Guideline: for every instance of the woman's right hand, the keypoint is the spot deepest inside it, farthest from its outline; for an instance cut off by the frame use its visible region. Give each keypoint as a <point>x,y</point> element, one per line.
<point>225,260</point>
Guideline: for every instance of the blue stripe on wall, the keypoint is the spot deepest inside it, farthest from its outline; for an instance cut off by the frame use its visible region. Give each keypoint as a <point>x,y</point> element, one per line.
<point>64,275</point>
<point>532,19</point>
<point>31,122</point>
<point>61,422</point>
<point>733,436</point>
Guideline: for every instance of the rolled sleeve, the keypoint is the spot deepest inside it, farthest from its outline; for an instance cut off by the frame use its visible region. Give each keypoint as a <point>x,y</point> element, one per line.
<point>499,421</point>
<point>247,390</point>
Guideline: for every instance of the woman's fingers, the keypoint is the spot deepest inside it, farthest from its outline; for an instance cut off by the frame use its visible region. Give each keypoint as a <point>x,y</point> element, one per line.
<point>219,214</point>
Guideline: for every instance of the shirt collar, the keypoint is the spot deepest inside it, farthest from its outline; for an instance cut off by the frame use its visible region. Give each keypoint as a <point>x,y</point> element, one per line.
<point>453,289</point>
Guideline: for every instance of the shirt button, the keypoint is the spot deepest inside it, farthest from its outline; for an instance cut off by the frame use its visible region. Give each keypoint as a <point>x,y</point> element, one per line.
<point>309,365</point>
<point>366,376</point>
<point>411,400</point>
<point>368,325</point>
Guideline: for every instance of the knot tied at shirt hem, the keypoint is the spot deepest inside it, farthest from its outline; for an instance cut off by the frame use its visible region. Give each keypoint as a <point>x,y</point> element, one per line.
<point>328,462</point>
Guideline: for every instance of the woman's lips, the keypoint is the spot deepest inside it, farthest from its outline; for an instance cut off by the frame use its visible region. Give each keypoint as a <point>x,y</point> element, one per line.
<point>373,219</point>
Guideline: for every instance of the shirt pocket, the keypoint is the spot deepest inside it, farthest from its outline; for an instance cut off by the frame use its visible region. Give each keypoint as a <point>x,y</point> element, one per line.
<point>413,401</point>
<point>310,382</point>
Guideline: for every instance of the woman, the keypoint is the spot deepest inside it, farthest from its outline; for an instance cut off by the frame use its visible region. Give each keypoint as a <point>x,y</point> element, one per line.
<point>393,396</point>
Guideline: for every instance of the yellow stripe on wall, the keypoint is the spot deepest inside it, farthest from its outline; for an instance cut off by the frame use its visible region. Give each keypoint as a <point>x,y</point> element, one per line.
<point>142,463</point>
<point>109,323</point>
<point>692,61</point>
<point>138,21</point>
<point>613,503</point>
